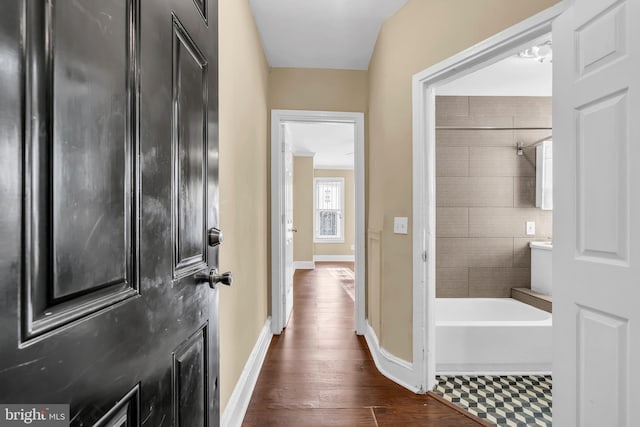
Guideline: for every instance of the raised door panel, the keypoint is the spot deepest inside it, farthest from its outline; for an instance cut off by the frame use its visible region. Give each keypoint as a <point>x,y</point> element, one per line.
<point>603,364</point>
<point>80,169</point>
<point>190,97</point>
<point>191,381</point>
<point>602,198</point>
<point>125,413</point>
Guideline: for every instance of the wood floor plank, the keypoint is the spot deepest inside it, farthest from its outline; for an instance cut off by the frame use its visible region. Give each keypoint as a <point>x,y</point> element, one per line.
<point>319,373</point>
<point>362,417</point>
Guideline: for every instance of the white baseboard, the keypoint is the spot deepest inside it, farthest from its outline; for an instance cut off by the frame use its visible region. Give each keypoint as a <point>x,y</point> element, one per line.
<point>236,409</point>
<point>396,369</point>
<point>304,265</point>
<point>334,258</point>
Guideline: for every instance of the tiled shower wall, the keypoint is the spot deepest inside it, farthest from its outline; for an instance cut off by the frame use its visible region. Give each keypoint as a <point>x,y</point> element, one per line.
<point>485,193</point>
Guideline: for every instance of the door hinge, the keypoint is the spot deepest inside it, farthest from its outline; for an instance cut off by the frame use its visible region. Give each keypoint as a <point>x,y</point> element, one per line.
<point>283,147</point>
<point>425,256</point>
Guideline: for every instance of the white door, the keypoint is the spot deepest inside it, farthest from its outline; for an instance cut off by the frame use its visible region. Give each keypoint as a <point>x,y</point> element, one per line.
<point>596,256</point>
<point>289,227</point>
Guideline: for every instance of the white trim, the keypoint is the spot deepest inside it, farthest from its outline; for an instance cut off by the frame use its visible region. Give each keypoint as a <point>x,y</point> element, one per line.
<point>304,265</point>
<point>334,258</point>
<point>277,193</point>
<point>337,168</point>
<point>499,46</point>
<point>499,372</point>
<point>398,370</point>
<point>303,154</point>
<point>236,408</point>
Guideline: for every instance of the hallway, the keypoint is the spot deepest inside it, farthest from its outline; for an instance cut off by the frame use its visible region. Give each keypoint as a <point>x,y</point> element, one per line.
<point>319,373</point>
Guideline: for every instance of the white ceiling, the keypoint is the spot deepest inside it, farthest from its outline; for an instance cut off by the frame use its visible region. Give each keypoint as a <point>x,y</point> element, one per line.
<point>337,34</point>
<point>332,143</point>
<point>512,76</point>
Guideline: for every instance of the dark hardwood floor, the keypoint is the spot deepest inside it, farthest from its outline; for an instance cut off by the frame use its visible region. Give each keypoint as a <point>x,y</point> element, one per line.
<point>319,373</point>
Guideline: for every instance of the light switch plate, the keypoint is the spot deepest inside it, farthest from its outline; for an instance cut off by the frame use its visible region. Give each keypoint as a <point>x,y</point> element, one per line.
<point>400,225</point>
<point>531,228</point>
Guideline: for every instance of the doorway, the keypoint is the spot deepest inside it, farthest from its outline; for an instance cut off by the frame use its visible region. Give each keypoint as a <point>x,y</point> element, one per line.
<point>425,84</point>
<point>328,224</point>
<point>493,237</point>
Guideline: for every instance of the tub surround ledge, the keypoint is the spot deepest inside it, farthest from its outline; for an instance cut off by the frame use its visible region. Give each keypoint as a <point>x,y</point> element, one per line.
<point>533,298</point>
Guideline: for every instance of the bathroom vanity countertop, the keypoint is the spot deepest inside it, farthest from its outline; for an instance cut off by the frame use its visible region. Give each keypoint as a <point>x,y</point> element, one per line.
<point>545,245</point>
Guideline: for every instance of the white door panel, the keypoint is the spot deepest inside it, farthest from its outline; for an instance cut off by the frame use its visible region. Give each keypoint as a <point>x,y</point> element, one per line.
<point>289,227</point>
<point>596,199</point>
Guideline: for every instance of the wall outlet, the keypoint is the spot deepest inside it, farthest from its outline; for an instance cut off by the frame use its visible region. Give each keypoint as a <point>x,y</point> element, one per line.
<point>401,225</point>
<point>531,228</point>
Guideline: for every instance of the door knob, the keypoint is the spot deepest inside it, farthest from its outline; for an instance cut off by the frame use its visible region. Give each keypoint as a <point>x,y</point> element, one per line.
<point>215,236</point>
<point>294,230</point>
<point>213,278</point>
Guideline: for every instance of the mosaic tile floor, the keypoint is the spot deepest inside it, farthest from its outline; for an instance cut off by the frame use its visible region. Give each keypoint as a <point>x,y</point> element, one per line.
<point>514,401</point>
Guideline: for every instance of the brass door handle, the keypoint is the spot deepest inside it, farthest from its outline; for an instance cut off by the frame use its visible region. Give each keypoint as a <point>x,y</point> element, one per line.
<point>212,278</point>
<point>295,230</point>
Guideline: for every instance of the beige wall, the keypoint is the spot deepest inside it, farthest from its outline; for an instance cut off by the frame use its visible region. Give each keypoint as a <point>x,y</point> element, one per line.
<point>303,208</point>
<point>485,194</point>
<point>349,214</point>
<point>318,89</point>
<point>421,34</point>
<point>243,188</point>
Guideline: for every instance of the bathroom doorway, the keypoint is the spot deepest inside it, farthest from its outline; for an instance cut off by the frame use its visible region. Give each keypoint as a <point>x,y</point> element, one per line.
<point>493,216</point>
<point>595,289</point>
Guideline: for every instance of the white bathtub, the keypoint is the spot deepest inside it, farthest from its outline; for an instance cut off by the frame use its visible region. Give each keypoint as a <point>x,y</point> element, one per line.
<point>491,335</point>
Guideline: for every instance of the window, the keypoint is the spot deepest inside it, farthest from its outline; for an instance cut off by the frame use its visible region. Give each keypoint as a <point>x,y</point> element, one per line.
<point>329,207</point>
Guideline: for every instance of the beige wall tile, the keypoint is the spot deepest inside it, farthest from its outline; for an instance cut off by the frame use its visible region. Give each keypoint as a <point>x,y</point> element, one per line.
<point>533,121</point>
<point>475,138</point>
<point>482,212</point>
<point>499,121</point>
<point>452,222</point>
<point>487,106</point>
<point>452,282</point>
<point>499,161</point>
<point>497,282</point>
<point>490,252</point>
<point>452,161</point>
<point>462,252</point>
<point>452,252</point>
<point>477,191</point>
<point>544,226</point>
<point>521,252</point>
<point>508,222</point>
<point>526,106</point>
<point>447,106</point>
<point>528,137</point>
<point>516,106</point>
<point>524,192</point>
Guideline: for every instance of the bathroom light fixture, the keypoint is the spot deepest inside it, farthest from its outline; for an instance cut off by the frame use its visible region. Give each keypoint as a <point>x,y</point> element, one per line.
<point>541,53</point>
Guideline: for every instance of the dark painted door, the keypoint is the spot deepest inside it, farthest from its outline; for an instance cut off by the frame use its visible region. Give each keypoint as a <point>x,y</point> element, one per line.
<point>108,186</point>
